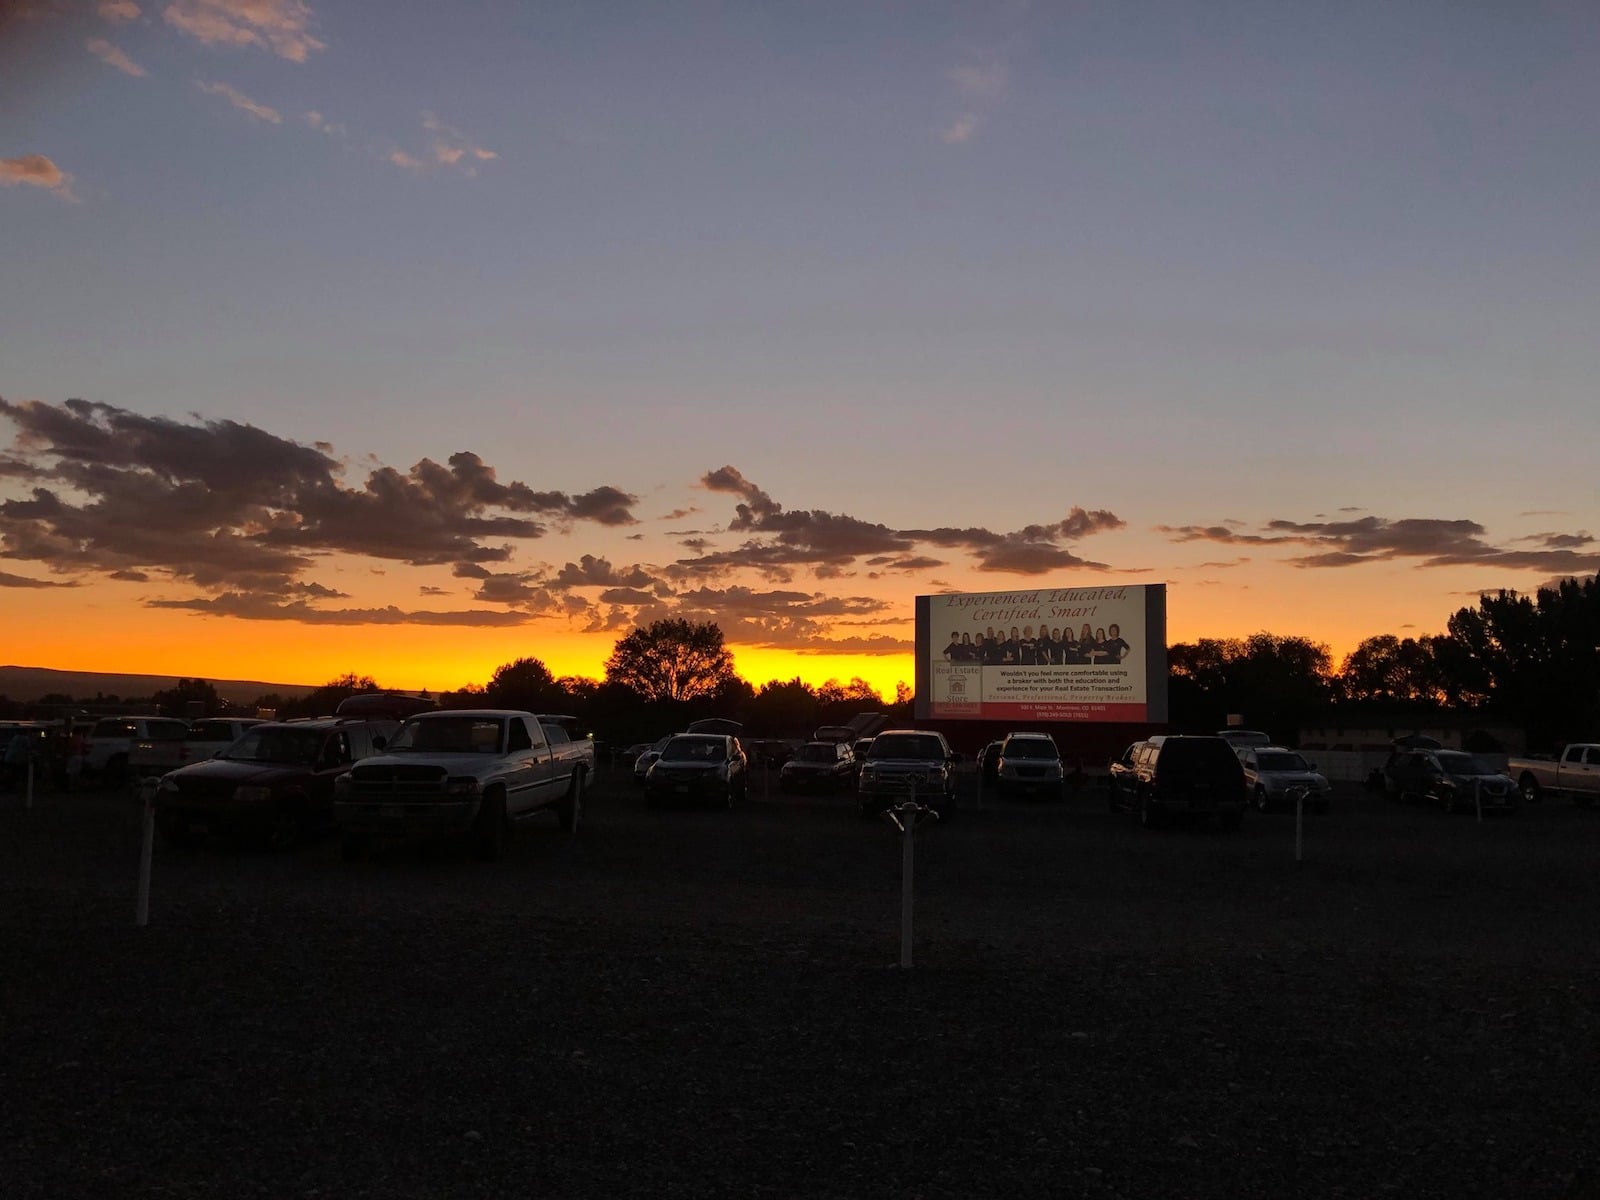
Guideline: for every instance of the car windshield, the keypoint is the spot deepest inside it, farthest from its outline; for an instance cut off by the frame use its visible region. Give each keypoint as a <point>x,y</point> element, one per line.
<point>818,753</point>
<point>1281,761</point>
<point>450,735</point>
<point>694,750</point>
<point>1031,748</point>
<point>296,747</point>
<point>1456,762</point>
<point>905,745</point>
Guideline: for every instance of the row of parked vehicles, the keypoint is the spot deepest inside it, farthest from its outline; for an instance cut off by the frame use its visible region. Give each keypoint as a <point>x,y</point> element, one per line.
<point>374,771</point>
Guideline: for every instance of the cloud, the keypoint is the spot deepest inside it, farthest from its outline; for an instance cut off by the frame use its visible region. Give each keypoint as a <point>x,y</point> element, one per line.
<point>1429,541</point>
<point>960,130</point>
<point>448,147</point>
<point>986,79</point>
<point>240,101</point>
<point>36,170</point>
<point>816,538</point>
<point>279,26</point>
<point>118,12</point>
<point>112,56</point>
<point>321,124</point>
<point>257,608</point>
<point>8,580</point>
<point>237,510</point>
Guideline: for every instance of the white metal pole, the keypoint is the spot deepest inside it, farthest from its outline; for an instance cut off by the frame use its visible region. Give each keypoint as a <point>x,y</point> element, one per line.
<point>1299,825</point>
<point>142,911</point>
<point>907,867</point>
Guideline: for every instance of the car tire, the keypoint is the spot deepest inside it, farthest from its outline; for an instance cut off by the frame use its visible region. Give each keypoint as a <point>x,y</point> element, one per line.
<point>1262,804</point>
<point>489,832</point>
<point>1529,787</point>
<point>570,813</point>
<point>1149,818</point>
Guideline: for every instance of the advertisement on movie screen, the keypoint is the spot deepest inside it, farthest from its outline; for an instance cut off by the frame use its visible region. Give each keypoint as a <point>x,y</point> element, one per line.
<point>1045,654</point>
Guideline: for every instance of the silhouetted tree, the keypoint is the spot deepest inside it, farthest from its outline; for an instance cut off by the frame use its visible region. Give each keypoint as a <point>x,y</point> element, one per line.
<point>1388,669</point>
<point>175,701</point>
<point>525,683</point>
<point>1275,682</point>
<point>320,702</point>
<point>672,660</point>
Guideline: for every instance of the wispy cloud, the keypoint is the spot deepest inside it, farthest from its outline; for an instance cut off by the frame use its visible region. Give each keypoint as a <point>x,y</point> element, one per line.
<point>401,159</point>
<point>118,12</point>
<point>240,101</point>
<point>981,83</point>
<point>113,56</point>
<point>322,125</point>
<point>986,79</point>
<point>959,130</point>
<point>452,148</point>
<point>36,170</point>
<point>279,26</point>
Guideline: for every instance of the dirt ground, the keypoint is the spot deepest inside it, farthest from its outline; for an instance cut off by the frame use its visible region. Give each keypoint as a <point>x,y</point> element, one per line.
<point>703,1004</point>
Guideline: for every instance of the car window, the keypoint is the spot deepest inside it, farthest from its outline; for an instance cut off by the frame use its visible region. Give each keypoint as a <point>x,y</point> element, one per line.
<point>167,731</point>
<point>1280,761</point>
<point>114,728</point>
<point>517,735</point>
<point>555,734</point>
<point>1593,755</point>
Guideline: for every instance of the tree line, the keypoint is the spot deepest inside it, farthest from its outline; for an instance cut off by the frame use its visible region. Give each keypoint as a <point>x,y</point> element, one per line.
<point>1529,661</point>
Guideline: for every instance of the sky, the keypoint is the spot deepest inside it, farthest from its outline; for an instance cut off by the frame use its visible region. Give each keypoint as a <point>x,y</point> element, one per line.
<point>409,339</point>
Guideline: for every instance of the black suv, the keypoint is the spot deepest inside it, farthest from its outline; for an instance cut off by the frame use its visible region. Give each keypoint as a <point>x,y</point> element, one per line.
<point>275,783</point>
<point>1183,776</point>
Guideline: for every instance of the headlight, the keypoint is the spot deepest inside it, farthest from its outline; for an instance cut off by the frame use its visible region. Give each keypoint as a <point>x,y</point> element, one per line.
<point>252,795</point>
<point>463,786</point>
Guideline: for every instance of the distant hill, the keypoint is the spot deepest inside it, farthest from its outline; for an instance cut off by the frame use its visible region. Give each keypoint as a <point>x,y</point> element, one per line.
<point>27,684</point>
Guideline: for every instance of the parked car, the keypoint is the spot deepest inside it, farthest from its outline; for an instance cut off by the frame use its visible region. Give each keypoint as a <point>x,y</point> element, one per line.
<point>1451,779</point>
<point>1185,776</point>
<point>1271,773</point>
<point>1242,739</point>
<point>273,784</point>
<point>698,766</point>
<point>1030,765</point>
<point>1121,776</point>
<point>819,766</point>
<point>646,760</point>
<point>1575,773</point>
<point>989,764</point>
<point>904,764</point>
<point>769,752</point>
<point>211,735</point>
<point>112,741</point>
<point>464,771</point>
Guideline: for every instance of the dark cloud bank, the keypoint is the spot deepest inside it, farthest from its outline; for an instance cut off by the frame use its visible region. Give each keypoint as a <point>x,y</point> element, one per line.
<point>225,519</point>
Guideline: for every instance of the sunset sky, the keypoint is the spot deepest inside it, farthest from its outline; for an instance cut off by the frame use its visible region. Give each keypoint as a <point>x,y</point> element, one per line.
<point>411,338</point>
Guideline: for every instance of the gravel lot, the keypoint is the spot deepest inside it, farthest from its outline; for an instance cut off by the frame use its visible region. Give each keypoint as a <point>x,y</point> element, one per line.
<point>701,1003</point>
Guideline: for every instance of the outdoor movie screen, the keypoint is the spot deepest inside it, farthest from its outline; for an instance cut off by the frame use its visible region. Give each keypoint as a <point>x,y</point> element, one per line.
<point>1044,654</point>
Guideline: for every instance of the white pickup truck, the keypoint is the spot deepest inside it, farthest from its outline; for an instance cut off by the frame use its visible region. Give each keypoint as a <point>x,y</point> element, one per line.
<point>465,771</point>
<point>1576,773</point>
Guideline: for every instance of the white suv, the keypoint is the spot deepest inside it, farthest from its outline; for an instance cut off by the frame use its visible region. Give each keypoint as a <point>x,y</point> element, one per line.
<point>1271,771</point>
<point>112,739</point>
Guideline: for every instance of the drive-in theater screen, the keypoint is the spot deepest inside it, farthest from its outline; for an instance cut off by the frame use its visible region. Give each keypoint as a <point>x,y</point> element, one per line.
<point>1044,654</point>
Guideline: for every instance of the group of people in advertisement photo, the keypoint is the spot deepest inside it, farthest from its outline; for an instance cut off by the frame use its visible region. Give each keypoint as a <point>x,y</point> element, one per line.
<point>1046,646</point>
